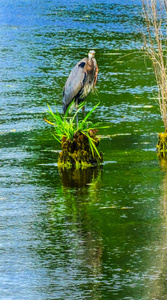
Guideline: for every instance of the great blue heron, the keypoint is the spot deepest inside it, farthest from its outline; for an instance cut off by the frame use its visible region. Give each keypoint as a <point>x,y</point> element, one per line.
<point>80,82</point>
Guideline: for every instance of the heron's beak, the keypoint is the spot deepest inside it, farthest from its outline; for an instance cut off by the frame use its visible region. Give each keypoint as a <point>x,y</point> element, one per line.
<point>91,53</point>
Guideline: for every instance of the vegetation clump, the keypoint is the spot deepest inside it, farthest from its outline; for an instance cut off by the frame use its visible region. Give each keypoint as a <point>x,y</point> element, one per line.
<point>162,145</point>
<point>79,143</point>
<point>77,152</point>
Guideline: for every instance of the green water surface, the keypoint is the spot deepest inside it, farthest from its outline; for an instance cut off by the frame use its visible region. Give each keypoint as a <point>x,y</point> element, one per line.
<point>98,233</point>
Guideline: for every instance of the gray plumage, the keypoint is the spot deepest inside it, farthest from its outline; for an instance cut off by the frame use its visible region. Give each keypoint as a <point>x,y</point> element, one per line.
<point>81,81</point>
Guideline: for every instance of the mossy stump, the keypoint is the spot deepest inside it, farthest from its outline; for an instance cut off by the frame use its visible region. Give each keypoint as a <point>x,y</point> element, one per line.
<point>77,152</point>
<point>162,146</point>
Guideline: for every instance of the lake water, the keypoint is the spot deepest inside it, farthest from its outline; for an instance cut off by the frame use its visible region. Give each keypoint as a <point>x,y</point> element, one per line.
<point>99,233</point>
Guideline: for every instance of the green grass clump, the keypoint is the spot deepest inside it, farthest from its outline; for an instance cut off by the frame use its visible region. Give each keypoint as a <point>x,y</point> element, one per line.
<point>66,130</point>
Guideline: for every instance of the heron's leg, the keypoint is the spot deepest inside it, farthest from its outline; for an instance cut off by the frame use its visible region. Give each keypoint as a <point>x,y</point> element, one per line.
<point>77,120</point>
<point>83,109</point>
<point>76,105</point>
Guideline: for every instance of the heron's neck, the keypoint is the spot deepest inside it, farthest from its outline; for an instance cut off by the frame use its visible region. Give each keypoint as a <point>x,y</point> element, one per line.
<point>89,58</point>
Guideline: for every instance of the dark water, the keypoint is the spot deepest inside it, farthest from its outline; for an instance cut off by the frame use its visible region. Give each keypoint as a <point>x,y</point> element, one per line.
<point>92,234</point>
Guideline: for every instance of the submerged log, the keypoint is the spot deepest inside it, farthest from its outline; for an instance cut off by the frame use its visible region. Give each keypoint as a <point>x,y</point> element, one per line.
<point>78,152</point>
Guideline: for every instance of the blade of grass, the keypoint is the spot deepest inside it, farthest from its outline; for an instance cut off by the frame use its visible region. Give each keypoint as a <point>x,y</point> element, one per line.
<point>88,115</point>
<point>91,143</point>
<point>68,109</point>
<point>56,138</point>
<point>49,122</point>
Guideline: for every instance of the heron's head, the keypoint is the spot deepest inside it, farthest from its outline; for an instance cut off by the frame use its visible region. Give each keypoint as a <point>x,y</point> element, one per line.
<point>91,54</point>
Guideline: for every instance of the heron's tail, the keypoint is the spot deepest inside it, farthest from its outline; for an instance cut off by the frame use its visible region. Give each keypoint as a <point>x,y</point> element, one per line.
<point>71,106</point>
<point>64,106</point>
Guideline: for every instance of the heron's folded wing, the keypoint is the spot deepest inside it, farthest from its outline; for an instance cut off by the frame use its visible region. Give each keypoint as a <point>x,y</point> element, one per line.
<point>74,83</point>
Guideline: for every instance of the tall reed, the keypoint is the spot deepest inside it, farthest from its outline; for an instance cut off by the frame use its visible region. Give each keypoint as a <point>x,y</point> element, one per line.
<point>155,16</point>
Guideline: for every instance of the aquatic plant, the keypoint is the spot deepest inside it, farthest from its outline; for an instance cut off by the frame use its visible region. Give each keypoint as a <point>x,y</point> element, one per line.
<point>155,16</point>
<point>162,142</point>
<point>79,143</point>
